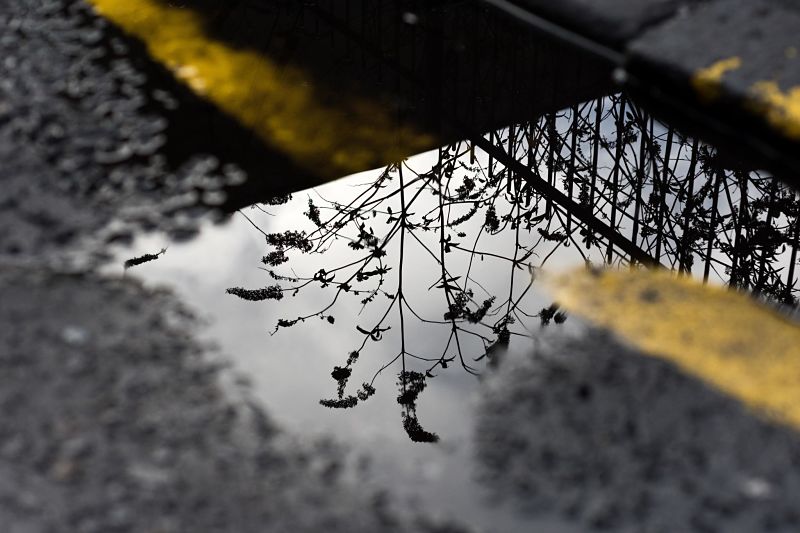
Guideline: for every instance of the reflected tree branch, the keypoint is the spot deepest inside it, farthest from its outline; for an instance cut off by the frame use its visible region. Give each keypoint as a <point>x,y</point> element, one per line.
<point>602,183</point>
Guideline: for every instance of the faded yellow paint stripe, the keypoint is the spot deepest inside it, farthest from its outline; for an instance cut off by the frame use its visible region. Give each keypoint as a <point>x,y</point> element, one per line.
<point>725,338</point>
<point>780,108</point>
<point>707,81</point>
<point>279,103</point>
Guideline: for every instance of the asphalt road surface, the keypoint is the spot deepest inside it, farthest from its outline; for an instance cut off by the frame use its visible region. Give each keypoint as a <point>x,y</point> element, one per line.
<point>114,419</point>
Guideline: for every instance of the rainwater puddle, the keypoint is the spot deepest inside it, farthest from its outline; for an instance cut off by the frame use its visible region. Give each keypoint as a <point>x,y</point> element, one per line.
<point>289,371</point>
<point>388,232</point>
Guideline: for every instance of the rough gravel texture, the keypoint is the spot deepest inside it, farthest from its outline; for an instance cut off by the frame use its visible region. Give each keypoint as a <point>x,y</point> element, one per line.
<point>82,136</point>
<point>113,417</point>
<point>113,420</point>
<point>623,442</point>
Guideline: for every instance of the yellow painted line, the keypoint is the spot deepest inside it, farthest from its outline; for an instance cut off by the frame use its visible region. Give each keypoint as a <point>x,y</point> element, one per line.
<point>329,134</point>
<point>707,81</point>
<point>780,108</point>
<point>725,338</point>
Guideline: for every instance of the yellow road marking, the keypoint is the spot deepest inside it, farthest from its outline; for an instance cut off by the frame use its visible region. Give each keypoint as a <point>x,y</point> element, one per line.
<point>781,109</point>
<point>725,338</point>
<point>707,81</point>
<point>279,103</point>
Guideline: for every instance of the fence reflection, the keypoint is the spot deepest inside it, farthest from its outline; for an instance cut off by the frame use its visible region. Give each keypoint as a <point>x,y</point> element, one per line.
<point>602,182</point>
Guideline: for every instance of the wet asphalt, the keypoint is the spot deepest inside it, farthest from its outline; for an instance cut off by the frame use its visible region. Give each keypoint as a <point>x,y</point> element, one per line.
<point>116,421</point>
<point>113,416</point>
<point>619,441</point>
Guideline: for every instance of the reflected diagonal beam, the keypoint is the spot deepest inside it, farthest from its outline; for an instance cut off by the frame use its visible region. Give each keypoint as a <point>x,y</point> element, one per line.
<point>581,213</point>
<point>578,211</point>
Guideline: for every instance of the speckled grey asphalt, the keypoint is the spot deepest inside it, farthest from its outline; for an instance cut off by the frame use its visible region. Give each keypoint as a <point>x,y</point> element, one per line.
<point>622,442</point>
<point>114,421</point>
<point>81,136</point>
<point>113,418</point>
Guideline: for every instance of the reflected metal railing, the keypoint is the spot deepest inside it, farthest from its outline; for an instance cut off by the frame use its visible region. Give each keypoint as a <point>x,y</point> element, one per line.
<point>649,194</point>
<point>602,182</point>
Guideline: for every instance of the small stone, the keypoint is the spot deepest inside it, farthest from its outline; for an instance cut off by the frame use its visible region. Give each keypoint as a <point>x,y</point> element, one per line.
<point>148,475</point>
<point>63,470</point>
<point>756,488</point>
<point>410,18</point>
<point>74,335</point>
<point>76,448</point>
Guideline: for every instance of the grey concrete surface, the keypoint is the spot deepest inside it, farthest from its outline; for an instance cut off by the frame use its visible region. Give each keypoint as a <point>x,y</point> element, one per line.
<point>619,441</point>
<point>659,46</point>
<point>113,420</point>
<point>761,34</point>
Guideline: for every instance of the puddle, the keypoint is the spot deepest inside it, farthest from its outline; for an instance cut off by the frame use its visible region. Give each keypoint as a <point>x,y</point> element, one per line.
<point>290,371</point>
<point>657,194</point>
<point>426,270</point>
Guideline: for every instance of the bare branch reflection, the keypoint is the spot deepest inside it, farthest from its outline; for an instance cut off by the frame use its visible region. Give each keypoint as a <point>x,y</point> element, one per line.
<point>601,182</point>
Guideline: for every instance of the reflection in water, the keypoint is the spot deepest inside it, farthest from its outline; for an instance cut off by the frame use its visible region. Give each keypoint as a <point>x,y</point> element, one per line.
<point>146,258</point>
<point>315,90</point>
<point>601,181</point>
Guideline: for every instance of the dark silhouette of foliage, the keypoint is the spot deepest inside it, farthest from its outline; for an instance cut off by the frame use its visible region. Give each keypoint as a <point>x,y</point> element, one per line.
<point>275,258</point>
<point>289,240</point>
<point>630,190</point>
<point>273,292</point>
<point>146,258</point>
<point>411,385</point>
<point>552,313</point>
